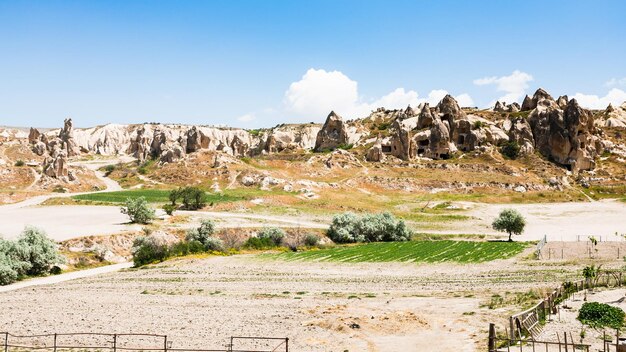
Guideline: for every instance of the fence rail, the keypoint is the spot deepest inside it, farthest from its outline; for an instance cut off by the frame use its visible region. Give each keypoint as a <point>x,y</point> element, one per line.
<point>86,341</point>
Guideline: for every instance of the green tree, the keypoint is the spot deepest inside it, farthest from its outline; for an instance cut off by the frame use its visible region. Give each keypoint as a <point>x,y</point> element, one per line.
<point>42,252</point>
<point>138,210</point>
<point>510,221</point>
<point>192,198</point>
<point>510,150</point>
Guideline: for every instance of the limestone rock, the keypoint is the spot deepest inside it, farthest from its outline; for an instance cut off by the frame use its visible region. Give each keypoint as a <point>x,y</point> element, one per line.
<point>402,145</point>
<point>33,135</point>
<point>439,143</point>
<point>332,135</point>
<point>140,145</point>
<point>562,101</point>
<point>375,153</point>
<point>539,95</point>
<point>55,165</point>
<point>499,107</point>
<point>66,135</point>
<point>171,153</point>
<point>566,136</point>
<point>519,131</point>
<point>449,110</point>
<point>425,117</point>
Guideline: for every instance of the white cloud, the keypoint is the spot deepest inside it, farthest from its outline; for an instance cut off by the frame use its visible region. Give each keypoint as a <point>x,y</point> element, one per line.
<point>615,96</point>
<point>616,82</point>
<point>514,85</point>
<point>246,118</point>
<point>320,91</point>
<point>465,100</point>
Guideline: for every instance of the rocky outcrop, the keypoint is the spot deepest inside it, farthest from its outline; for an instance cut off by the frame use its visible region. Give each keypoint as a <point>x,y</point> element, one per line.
<point>375,153</point>
<point>195,140</point>
<point>426,117</point>
<point>519,131</point>
<point>540,94</point>
<point>66,136</point>
<point>439,146</point>
<point>612,117</point>
<point>503,107</point>
<point>402,145</point>
<point>56,165</point>
<point>562,101</point>
<point>565,135</point>
<point>140,145</point>
<point>332,135</point>
<point>449,111</point>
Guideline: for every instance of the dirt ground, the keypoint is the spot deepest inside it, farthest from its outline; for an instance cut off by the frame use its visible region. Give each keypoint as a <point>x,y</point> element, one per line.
<point>319,306</point>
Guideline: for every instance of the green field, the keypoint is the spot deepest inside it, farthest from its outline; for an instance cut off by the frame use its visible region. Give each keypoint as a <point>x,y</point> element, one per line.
<point>151,195</point>
<point>413,251</point>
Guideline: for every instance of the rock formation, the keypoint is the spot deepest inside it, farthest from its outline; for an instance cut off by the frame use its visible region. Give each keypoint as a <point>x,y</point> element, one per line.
<point>332,135</point>
<point>375,153</point>
<point>425,119</point>
<point>564,135</point>
<point>449,111</point>
<point>140,145</point>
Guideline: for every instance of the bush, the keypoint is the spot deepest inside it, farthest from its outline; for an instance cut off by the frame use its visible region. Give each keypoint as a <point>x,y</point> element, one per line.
<point>183,248</point>
<point>42,252</point>
<point>149,249</point>
<point>311,240</point>
<point>600,315</point>
<point>193,198</point>
<point>20,163</point>
<point>214,244</point>
<point>510,150</point>
<point>169,209</point>
<point>349,228</point>
<point>109,169</point>
<point>259,243</point>
<point>138,210</point>
<point>478,124</point>
<point>32,254</point>
<point>275,234</point>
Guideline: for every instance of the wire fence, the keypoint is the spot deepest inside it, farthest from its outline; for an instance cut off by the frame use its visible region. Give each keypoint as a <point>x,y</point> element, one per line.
<point>59,342</point>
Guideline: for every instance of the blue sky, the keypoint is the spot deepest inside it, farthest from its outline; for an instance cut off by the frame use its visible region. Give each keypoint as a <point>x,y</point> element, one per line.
<point>260,63</point>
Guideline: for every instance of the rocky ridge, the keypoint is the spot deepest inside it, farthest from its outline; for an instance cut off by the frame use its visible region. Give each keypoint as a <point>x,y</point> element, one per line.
<point>560,130</point>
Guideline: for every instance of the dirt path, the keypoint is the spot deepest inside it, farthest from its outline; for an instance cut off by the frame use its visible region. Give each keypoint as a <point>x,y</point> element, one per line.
<point>48,280</point>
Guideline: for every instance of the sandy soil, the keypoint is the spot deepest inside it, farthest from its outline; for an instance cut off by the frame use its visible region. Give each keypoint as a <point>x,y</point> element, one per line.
<point>319,306</point>
<point>558,221</point>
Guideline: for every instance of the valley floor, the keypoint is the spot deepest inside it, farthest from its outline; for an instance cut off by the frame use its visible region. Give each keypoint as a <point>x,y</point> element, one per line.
<point>320,306</point>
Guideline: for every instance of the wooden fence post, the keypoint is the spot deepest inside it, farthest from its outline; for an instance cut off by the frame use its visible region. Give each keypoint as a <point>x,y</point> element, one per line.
<point>565,334</point>
<point>286,344</point>
<point>165,343</point>
<point>114,342</point>
<point>55,342</point>
<point>6,342</point>
<point>492,338</point>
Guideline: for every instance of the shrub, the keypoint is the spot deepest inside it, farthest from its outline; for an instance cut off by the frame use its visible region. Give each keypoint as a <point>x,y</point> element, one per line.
<point>259,243</point>
<point>138,210</point>
<point>349,228</point>
<point>478,124</point>
<point>183,248</point>
<point>275,234</point>
<point>311,240</point>
<point>214,244</point>
<point>20,163</point>
<point>510,221</point>
<point>109,169</point>
<point>32,254</point>
<point>149,249</point>
<point>193,198</point>
<point>41,251</point>
<point>510,150</point>
<point>343,229</point>
<point>169,208</point>
<point>599,315</point>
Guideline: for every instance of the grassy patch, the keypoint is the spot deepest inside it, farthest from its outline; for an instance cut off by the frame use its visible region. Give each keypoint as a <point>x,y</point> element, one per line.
<point>151,195</point>
<point>413,251</point>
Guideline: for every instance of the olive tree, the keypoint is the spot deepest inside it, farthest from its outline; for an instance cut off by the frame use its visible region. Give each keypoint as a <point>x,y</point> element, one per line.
<point>138,210</point>
<point>204,235</point>
<point>511,222</point>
